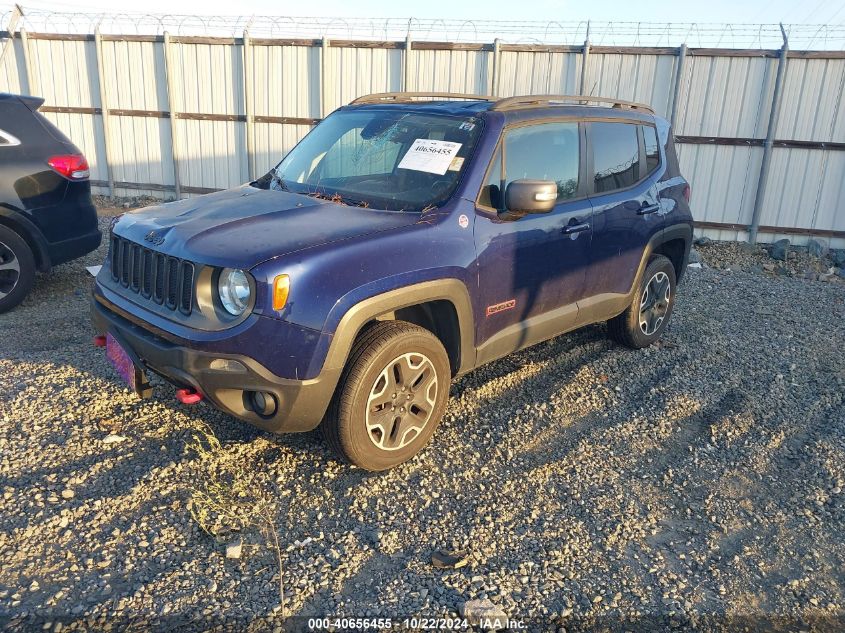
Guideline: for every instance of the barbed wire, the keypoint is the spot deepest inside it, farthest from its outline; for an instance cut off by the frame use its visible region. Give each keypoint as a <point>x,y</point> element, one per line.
<point>717,35</point>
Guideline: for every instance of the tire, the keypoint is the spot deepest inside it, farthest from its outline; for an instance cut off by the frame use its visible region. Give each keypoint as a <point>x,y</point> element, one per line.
<point>17,269</point>
<point>629,328</point>
<point>363,424</point>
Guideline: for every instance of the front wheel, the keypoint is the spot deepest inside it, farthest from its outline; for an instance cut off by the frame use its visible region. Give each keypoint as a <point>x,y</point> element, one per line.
<point>647,316</point>
<point>390,397</point>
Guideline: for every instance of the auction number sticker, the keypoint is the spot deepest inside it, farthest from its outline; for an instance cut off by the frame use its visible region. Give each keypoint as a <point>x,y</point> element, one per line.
<point>430,155</point>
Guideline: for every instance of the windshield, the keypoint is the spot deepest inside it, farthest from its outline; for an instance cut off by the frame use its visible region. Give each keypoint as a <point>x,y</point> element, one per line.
<point>395,160</point>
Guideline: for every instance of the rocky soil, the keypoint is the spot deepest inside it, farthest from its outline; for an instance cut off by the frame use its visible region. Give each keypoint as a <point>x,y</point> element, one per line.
<point>698,483</point>
<point>813,263</point>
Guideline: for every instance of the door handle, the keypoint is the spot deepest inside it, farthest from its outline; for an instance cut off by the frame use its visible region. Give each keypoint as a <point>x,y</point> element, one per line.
<point>646,208</point>
<point>571,229</point>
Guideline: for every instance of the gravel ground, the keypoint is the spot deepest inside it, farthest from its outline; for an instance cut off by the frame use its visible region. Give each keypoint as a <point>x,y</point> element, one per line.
<point>696,484</point>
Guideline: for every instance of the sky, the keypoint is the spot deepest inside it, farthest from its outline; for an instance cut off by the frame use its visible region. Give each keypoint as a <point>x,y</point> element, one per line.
<point>727,11</point>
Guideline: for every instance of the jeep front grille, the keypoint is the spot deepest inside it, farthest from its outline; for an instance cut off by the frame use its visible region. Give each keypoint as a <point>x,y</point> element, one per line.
<point>165,280</point>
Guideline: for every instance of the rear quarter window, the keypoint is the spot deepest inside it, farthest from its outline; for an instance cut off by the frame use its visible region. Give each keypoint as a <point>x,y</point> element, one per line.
<point>652,149</point>
<point>6,139</point>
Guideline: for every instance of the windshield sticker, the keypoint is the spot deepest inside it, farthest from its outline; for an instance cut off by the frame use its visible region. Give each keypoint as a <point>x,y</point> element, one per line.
<point>430,155</point>
<point>469,126</point>
<point>457,163</point>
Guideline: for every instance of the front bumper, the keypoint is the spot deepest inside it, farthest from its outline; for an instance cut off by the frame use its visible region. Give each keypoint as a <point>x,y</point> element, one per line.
<point>300,404</point>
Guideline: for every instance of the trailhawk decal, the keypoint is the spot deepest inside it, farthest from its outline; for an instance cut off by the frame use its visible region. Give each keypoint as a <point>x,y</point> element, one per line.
<point>501,307</point>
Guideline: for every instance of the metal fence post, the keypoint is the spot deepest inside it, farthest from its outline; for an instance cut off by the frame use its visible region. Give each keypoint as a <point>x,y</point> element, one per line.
<point>585,58</point>
<point>248,107</point>
<point>324,54</point>
<point>13,24</point>
<point>676,89</point>
<point>406,64</point>
<point>497,66</point>
<point>26,63</point>
<point>104,108</point>
<point>770,137</point>
<point>171,107</point>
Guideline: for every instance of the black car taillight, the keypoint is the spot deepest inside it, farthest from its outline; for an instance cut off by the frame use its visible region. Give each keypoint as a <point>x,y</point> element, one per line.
<point>71,166</point>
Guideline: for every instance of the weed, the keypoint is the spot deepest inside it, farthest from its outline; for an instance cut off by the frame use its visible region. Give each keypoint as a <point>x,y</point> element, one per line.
<point>225,500</point>
<point>427,214</point>
<point>335,197</point>
<point>338,199</point>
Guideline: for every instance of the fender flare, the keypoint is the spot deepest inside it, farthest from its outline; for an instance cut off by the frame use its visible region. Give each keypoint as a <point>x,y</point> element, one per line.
<point>673,232</point>
<point>449,289</point>
<point>682,231</point>
<point>30,233</point>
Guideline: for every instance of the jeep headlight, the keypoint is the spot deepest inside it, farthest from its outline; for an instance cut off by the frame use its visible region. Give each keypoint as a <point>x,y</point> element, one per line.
<point>234,291</point>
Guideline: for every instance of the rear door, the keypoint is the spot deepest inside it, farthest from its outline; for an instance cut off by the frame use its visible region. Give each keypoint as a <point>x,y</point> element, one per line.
<point>623,181</point>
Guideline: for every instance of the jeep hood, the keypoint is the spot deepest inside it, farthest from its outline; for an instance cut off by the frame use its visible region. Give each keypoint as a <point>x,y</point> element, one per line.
<point>245,226</point>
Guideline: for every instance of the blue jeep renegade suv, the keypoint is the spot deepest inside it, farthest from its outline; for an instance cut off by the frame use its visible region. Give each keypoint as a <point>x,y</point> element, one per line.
<point>406,240</point>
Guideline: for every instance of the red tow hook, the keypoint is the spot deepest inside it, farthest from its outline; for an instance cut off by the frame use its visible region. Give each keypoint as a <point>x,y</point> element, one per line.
<point>100,340</point>
<point>188,396</point>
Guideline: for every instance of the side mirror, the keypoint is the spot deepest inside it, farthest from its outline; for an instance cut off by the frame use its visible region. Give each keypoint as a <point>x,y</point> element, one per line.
<point>531,196</point>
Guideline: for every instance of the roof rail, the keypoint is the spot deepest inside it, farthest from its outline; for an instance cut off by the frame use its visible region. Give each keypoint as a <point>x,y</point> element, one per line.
<point>382,97</point>
<point>512,103</point>
<point>507,103</point>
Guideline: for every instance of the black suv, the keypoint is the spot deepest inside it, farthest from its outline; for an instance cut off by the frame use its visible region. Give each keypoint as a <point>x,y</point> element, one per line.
<point>46,213</point>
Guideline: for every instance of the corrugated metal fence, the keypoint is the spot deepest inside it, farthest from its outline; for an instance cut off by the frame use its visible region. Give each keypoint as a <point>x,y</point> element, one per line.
<point>183,115</point>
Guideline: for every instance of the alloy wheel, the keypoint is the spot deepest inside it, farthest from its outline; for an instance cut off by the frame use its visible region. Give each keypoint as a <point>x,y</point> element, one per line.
<point>655,303</point>
<point>10,270</point>
<point>401,401</point>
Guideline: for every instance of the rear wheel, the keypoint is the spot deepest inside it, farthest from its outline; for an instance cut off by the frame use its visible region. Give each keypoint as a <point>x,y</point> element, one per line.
<point>647,316</point>
<point>390,397</point>
<point>17,269</point>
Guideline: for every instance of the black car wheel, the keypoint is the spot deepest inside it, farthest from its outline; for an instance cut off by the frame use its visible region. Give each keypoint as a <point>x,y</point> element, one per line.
<point>390,397</point>
<point>647,316</point>
<point>17,269</point>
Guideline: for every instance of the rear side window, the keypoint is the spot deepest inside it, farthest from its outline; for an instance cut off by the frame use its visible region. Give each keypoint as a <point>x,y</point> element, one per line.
<point>544,152</point>
<point>652,149</point>
<point>7,139</point>
<point>616,155</point>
